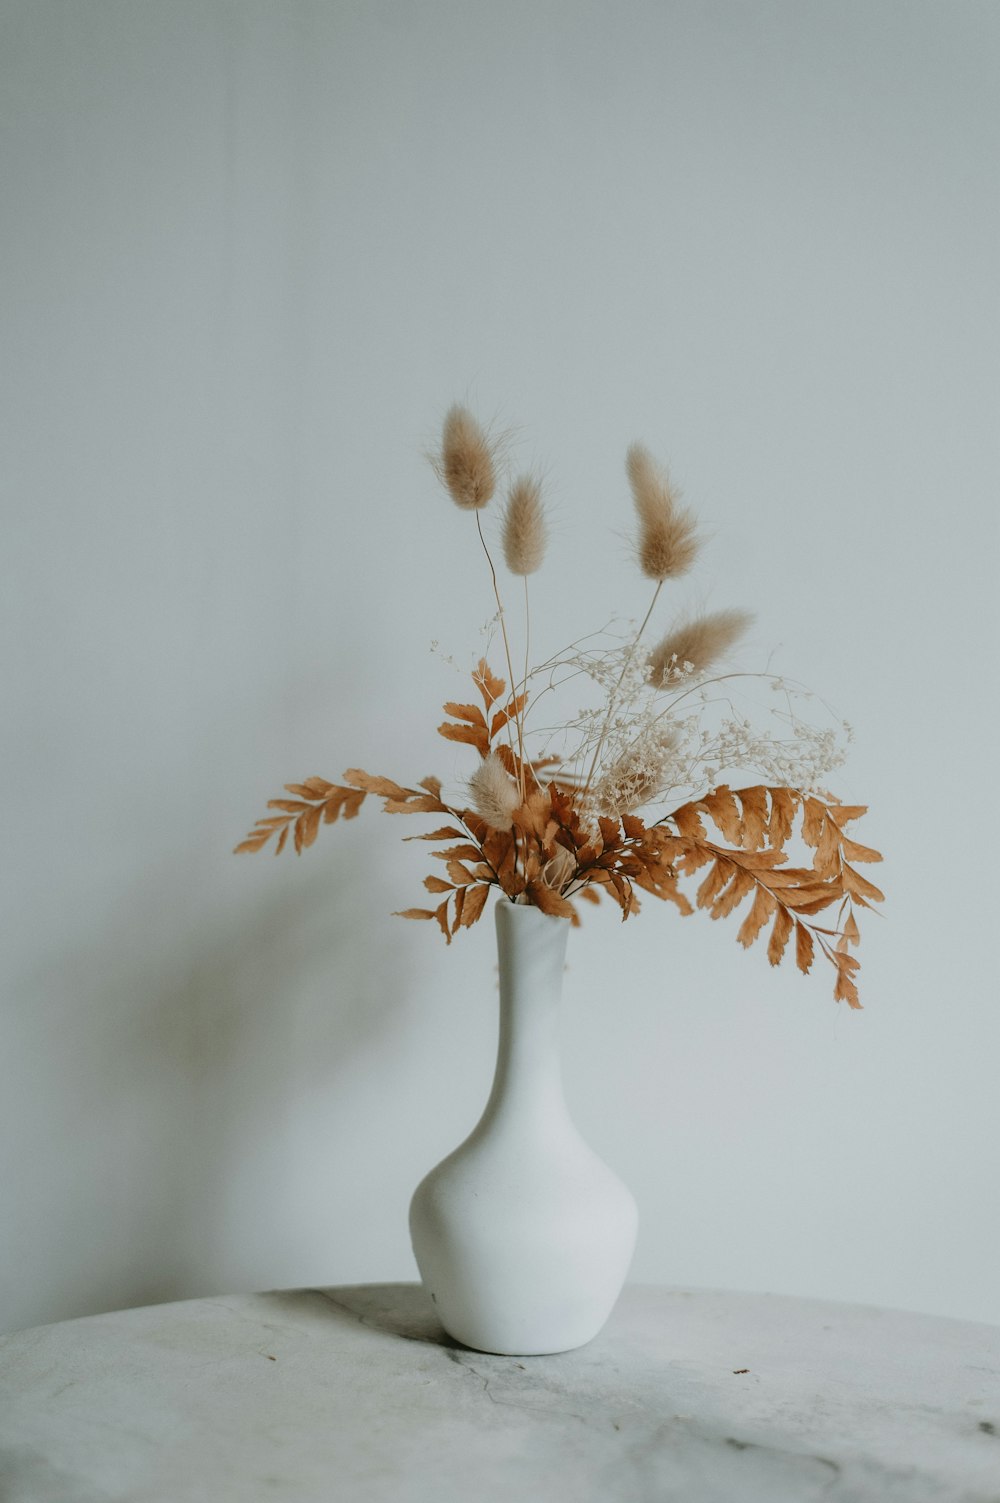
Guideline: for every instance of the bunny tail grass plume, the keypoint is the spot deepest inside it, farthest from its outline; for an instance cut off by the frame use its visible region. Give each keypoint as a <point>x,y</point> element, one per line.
<point>494,795</point>
<point>699,643</point>
<point>524,533</point>
<point>667,544</point>
<point>465,464</point>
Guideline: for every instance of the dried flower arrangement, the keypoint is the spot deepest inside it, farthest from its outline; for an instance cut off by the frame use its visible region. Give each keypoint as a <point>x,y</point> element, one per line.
<point>564,825</point>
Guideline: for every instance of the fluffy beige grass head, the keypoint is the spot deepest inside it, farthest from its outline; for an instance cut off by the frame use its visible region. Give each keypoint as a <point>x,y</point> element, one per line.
<point>494,793</point>
<point>467,462</point>
<point>700,642</point>
<point>667,544</point>
<point>524,532</point>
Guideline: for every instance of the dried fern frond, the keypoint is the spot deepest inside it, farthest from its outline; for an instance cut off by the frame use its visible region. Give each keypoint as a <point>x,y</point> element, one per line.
<point>759,821</point>
<point>316,801</point>
<point>700,642</point>
<point>524,532</point>
<point>667,544</point>
<point>467,462</point>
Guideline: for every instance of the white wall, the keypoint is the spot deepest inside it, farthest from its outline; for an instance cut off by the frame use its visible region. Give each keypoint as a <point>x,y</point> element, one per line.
<point>251,251</point>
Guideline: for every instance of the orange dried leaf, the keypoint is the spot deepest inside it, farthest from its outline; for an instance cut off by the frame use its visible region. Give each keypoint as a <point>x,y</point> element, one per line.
<point>784,802</point>
<point>447,832</point>
<point>804,897</point>
<point>693,859</point>
<point>688,821</point>
<point>845,990</point>
<point>414,803</point>
<point>741,883</point>
<point>845,813</point>
<point>549,901</point>
<point>779,936</point>
<point>724,812</point>
<point>757,861</point>
<point>712,885</point>
<point>671,893</point>
<point>803,948</point>
<point>414,913</point>
<point>850,932</point>
<point>814,905</point>
<point>509,759</point>
<point>857,852</point>
<point>790,876</point>
<point>460,853</point>
<point>318,787</point>
<point>760,912</point>
<point>859,886</point>
<point>253,842</point>
<point>345,801</point>
<point>471,735</point>
<point>827,858</point>
<point>510,711</point>
<point>459,905</point>
<point>813,820</point>
<point>472,713</point>
<point>610,832</point>
<point>475,902</point>
<point>384,787</point>
<point>754,822</point>
<point>489,686</point>
<point>308,824</point>
<point>437,884</point>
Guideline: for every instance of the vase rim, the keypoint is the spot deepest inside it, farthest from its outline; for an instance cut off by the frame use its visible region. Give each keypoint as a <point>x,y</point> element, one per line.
<point>506,905</point>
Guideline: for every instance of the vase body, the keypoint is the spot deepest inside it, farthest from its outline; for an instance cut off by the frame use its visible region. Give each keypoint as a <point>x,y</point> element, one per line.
<point>524,1236</point>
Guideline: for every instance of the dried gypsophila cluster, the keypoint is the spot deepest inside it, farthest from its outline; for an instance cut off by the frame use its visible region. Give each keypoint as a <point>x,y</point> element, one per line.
<point>665,736</point>
<point>667,746</point>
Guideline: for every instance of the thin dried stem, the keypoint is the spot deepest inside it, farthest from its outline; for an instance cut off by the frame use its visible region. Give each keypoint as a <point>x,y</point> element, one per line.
<point>524,681</point>
<point>506,648</point>
<point>614,693</point>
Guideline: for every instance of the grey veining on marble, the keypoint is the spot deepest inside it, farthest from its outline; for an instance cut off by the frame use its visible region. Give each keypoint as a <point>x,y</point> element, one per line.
<point>337,1395</point>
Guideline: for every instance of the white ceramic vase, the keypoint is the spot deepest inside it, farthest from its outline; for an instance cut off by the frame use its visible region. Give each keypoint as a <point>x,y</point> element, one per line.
<point>523,1236</point>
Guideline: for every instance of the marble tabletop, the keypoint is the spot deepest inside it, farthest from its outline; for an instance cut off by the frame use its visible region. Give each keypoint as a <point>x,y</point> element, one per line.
<point>344,1394</point>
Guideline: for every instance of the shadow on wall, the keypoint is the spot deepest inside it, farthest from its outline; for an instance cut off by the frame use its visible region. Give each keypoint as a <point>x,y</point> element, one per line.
<point>154,1137</point>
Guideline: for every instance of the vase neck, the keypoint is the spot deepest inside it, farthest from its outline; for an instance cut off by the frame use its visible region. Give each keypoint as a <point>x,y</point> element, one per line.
<point>531,949</point>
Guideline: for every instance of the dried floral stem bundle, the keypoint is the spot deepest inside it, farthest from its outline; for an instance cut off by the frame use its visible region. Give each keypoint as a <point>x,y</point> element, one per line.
<point>564,826</point>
